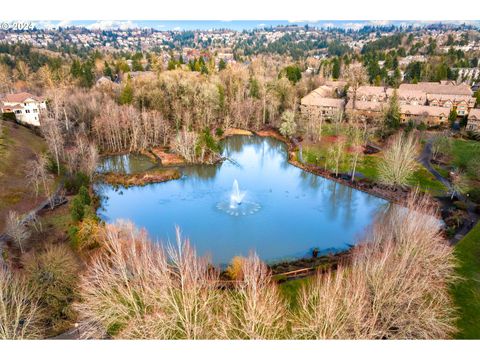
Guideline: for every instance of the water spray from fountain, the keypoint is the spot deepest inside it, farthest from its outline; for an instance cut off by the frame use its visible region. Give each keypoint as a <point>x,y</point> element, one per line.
<point>236,197</point>
<point>238,205</point>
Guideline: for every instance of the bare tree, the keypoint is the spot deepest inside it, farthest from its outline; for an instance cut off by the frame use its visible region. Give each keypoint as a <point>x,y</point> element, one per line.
<point>399,160</point>
<point>19,310</point>
<point>356,75</point>
<point>288,128</point>
<point>37,174</point>
<point>52,132</point>
<point>17,230</point>
<point>185,143</point>
<point>336,153</point>
<point>356,148</point>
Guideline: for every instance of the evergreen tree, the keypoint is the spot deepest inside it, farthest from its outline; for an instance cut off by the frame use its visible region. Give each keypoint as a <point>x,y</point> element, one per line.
<point>336,69</point>
<point>126,96</point>
<point>392,115</point>
<point>84,195</point>
<point>107,71</point>
<point>77,209</point>
<point>452,117</point>
<point>222,65</point>
<point>254,88</point>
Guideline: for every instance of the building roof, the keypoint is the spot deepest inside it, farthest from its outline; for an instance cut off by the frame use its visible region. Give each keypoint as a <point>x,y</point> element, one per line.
<point>474,114</point>
<point>368,90</point>
<point>313,100</point>
<point>424,110</point>
<point>451,97</point>
<point>365,105</point>
<point>446,88</point>
<point>408,94</point>
<point>20,97</point>
<point>336,84</point>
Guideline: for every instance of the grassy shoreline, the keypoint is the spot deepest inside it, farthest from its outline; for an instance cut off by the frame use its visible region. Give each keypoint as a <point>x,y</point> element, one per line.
<point>466,291</point>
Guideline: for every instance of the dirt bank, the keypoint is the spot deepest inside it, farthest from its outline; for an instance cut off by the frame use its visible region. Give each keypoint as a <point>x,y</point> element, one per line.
<point>139,179</point>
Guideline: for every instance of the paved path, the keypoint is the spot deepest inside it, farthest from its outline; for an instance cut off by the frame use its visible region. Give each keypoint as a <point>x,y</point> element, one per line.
<point>425,159</point>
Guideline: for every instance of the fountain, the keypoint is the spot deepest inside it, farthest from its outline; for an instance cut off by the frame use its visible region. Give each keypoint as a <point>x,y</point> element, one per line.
<point>236,197</point>
<point>238,205</point>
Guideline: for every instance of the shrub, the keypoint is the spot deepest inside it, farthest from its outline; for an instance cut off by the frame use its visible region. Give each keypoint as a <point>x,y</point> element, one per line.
<point>54,272</point>
<point>255,310</point>
<point>84,195</point>
<point>235,269</point>
<point>137,289</point>
<point>87,234</point>
<point>73,183</point>
<point>77,209</point>
<point>399,161</point>
<point>396,286</point>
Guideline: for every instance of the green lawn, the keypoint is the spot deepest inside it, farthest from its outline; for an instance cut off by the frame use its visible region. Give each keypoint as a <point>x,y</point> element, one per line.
<point>317,155</point>
<point>463,151</point>
<point>291,290</point>
<point>368,165</point>
<point>467,291</point>
<point>441,170</point>
<point>427,182</point>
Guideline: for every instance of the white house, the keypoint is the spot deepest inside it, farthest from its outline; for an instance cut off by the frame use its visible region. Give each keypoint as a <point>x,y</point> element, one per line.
<point>26,107</point>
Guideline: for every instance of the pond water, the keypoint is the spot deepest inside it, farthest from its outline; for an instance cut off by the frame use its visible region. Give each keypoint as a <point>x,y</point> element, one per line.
<point>125,163</point>
<point>273,207</point>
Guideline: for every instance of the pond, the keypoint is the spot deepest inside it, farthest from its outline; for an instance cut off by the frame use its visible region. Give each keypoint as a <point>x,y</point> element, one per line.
<point>125,164</point>
<point>255,201</point>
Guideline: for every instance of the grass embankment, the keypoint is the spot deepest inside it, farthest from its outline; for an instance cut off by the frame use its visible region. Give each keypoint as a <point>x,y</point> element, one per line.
<point>466,292</point>
<point>466,157</point>
<point>138,179</point>
<point>368,164</point>
<point>18,145</point>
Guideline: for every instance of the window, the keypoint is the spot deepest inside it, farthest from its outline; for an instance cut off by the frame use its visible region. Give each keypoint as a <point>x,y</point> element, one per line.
<point>27,111</point>
<point>18,111</point>
<point>35,110</point>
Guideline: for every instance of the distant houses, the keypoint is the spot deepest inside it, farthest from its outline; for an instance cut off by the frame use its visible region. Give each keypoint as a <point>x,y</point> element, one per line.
<point>27,108</point>
<point>325,100</point>
<point>427,102</point>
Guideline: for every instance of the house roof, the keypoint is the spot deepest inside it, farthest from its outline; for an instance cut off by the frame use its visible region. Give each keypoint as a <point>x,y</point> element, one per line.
<point>20,97</point>
<point>452,97</point>
<point>313,100</point>
<point>365,105</point>
<point>408,93</point>
<point>368,90</point>
<point>445,88</point>
<point>424,110</point>
<point>474,114</point>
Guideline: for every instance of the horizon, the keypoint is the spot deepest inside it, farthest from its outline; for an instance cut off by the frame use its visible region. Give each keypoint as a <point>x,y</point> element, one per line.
<point>234,25</point>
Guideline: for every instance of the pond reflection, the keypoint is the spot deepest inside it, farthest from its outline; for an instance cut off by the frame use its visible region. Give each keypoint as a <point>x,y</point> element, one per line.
<point>297,212</point>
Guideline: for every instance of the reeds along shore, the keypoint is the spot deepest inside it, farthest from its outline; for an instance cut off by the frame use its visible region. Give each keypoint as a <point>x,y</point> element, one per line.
<point>395,286</point>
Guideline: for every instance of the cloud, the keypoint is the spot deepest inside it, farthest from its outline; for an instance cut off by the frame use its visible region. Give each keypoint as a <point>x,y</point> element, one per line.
<point>112,24</point>
<point>44,24</point>
<point>261,25</point>
<point>379,22</point>
<point>64,23</point>
<point>328,25</point>
<point>353,26</point>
